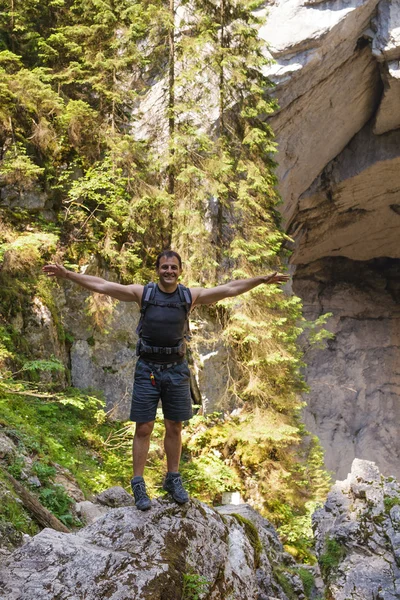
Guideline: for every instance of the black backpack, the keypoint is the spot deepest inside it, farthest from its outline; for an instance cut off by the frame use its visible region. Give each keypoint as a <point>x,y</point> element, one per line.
<point>149,293</point>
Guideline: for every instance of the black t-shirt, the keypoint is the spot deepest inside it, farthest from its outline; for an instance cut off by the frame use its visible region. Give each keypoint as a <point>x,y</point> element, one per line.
<point>164,326</point>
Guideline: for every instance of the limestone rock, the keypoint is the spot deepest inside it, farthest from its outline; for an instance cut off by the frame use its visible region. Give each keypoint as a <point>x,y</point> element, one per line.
<point>354,381</point>
<point>128,555</point>
<point>102,352</point>
<point>32,198</point>
<point>41,334</point>
<point>88,512</point>
<point>388,115</point>
<point>115,497</point>
<point>386,43</point>
<point>7,447</point>
<point>357,536</point>
<point>353,208</point>
<point>65,478</point>
<point>302,155</point>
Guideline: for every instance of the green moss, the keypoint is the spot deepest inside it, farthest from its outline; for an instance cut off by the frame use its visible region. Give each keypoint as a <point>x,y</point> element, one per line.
<point>281,576</point>
<point>333,555</point>
<point>307,579</point>
<point>252,535</point>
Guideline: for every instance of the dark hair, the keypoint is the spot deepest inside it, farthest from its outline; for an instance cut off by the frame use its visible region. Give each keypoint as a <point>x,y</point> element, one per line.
<point>168,254</point>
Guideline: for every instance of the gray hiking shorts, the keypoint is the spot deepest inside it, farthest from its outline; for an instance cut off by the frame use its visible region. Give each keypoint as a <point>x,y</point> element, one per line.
<point>155,382</point>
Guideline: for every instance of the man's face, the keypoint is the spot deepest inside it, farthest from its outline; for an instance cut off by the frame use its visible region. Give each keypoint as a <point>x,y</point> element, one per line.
<point>169,270</point>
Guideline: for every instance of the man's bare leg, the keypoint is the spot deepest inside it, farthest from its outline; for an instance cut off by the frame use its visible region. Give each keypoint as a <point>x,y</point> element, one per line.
<point>141,444</point>
<point>173,449</point>
<point>173,444</point>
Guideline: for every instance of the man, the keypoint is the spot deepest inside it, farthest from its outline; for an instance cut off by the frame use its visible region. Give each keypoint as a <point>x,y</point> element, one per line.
<point>161,370</point>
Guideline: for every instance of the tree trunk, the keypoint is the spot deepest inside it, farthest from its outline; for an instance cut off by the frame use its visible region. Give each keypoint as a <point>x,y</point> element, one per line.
<point>171,116</point>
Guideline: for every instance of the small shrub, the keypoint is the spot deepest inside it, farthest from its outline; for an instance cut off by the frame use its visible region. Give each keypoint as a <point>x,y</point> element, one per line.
<point>389,502</point>
<point>194,586</point>
<point>57,501</point>
<point>44,472</point>
<point>16,467</point>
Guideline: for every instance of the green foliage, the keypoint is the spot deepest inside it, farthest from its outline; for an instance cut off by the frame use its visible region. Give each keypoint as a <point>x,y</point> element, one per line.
<point>194,586</point>
<point>333,555</point>
<point>59,503</point>
<point>307,579</point>
<point>16,467</point>
<point>44,472</point>
<point>17,168</point>
<point>281,577</point>
<point>13,512</point>
<point>208,477</point>
<point>389,502</point>
<point>52,364</point>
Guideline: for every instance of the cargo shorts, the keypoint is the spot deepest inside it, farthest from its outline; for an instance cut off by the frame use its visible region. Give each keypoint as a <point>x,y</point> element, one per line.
<point>153,383</point>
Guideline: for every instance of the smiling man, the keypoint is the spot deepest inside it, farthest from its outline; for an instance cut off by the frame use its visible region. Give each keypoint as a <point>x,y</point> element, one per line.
<point>161,371</point>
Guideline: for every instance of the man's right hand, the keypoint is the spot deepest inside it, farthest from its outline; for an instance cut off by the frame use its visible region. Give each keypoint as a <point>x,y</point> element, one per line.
<point>55,270</point>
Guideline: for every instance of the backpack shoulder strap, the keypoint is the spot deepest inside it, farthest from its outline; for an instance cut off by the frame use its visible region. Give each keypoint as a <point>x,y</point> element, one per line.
<point>149,292</point>
<point>185,296</point>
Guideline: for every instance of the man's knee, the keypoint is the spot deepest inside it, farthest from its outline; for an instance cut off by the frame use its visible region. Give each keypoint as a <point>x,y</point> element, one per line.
<point>173,427</point>
<point>144,430</point>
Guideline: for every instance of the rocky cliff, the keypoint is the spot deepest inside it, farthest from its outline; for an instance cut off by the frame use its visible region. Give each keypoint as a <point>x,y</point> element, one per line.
<point>338,129</point>
<point>357,536</point>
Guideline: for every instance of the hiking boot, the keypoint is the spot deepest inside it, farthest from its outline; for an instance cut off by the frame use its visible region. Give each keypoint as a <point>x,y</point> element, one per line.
<point>173,485</point>
<point>142,500</point>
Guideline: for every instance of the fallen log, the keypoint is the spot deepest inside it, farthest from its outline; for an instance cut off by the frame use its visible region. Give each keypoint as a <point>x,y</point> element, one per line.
<point>43,516</point>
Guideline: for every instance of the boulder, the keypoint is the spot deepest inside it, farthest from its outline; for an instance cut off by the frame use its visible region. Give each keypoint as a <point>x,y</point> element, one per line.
<point>128,554</point>
<point>8,449</point>
<point>88,512</point>
<point>115,497</point>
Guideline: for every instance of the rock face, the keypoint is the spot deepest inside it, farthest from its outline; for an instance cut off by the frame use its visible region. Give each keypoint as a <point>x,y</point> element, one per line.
<point>358,536</point>
<point>338,130</point>
<point>127,555</point>
<point>355,381</point>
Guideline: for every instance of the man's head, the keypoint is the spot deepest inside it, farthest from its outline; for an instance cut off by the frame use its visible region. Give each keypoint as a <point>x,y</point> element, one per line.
<point>168,269</point>
<point>168,254</point>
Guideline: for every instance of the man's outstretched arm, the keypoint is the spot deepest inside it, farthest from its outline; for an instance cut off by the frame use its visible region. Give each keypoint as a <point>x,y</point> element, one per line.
<point>233,288</point>
<point>127,293</point>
